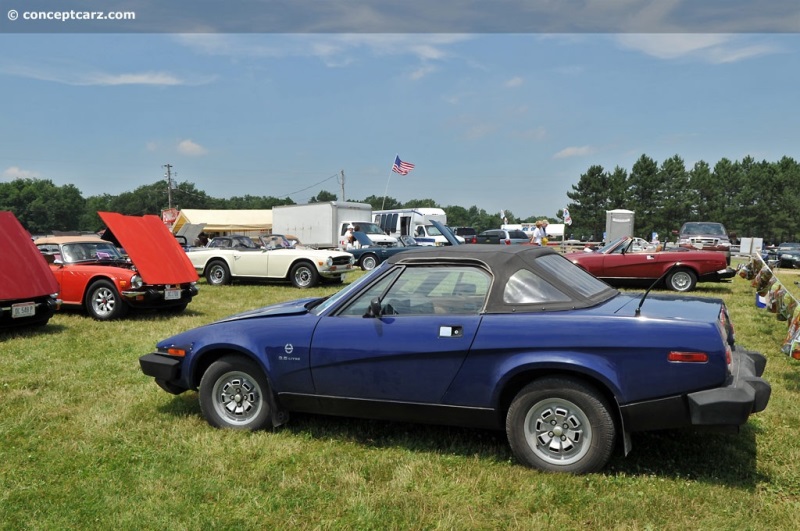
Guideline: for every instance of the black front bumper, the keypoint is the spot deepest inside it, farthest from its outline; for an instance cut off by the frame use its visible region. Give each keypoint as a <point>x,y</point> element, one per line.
<point>725,407</point>
<point>165,369</point>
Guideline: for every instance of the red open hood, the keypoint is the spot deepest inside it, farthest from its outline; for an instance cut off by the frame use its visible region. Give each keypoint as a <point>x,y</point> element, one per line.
<point>23,270</point>
<point>152,248</point>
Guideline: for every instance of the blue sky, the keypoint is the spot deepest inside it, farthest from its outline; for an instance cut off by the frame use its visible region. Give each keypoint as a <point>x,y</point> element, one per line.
<point>501,121</point>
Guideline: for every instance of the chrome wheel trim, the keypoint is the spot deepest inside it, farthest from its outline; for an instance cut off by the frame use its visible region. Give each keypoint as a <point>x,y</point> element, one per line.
<point>369,263</point>
<point>681,281</point>
<point>104,301</point>
<point>216,274</point>
<point>302,276</point>
<point>237,398</point>
<point>558,431</point>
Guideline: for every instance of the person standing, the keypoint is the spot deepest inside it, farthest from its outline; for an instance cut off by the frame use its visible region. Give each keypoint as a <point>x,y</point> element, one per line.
<point>536,238</point>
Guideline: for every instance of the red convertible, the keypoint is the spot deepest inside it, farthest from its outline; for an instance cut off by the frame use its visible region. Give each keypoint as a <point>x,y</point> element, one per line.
<point>630,260</point>
<point>95,276</point>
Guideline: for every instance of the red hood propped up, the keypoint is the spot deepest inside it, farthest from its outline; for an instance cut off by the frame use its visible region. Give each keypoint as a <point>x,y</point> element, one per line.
<point>152,248</point>
<point>24,273</point>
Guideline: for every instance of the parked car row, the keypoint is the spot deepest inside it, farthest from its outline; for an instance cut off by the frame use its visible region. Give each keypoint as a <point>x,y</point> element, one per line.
<point>787,254</point>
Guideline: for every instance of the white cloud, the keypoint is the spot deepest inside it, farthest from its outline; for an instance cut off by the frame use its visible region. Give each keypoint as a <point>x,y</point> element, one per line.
<point>15,172</point>
<point>421,72</point>
<point>335,50</point>
<point>192,149</point>
<point>710,48</point>
<point>514,82</point>
<point>81,76</point>
<point>575,151</point>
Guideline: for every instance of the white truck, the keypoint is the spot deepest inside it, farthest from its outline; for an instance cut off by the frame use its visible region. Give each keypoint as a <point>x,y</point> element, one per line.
<point>414,222</point>
<point>323,225</point>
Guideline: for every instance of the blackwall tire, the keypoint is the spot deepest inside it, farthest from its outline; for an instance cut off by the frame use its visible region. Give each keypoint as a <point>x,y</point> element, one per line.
<point>217,273</point>
<point>682,280</point>
<point>561,424</point>
<point>234,394</point>
<point>103,302</point>
<point>304,275</point>
<point>369,262</point>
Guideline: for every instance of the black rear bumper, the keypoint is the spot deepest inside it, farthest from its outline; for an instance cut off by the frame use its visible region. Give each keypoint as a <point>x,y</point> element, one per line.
<point>724,407</point>
<point>718,276</point>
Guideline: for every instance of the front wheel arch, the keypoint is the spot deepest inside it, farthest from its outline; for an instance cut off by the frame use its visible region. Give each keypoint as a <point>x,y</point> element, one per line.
<point>235,393</point>
<point>303,274</point>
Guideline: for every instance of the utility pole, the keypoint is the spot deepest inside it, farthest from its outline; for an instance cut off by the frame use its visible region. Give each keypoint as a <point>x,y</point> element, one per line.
<point>169,184</point>
<point>341,172</point>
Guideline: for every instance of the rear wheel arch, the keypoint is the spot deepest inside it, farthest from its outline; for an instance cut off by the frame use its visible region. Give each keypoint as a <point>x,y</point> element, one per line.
<point>682,279</point>
<point>517,382</point>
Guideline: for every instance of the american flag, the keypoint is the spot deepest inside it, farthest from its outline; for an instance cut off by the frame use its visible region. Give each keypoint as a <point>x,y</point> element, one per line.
<point>402,167</point>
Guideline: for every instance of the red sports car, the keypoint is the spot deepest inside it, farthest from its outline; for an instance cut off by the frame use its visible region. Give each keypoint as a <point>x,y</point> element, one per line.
<point>94,275</point>
<point>630,260</point>
<point>28,290</point>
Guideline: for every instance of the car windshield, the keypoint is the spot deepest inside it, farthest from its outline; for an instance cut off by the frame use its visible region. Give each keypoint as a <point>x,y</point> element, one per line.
<point>610,247</point>
<point>356,285</point>
<point>370,228</point>
<point>714,229</point>
<point>517,235</point>
<point>89,252</point>
<point>433,231</point>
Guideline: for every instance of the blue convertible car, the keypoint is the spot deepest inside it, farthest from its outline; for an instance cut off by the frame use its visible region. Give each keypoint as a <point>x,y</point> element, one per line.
<point>515,338</point>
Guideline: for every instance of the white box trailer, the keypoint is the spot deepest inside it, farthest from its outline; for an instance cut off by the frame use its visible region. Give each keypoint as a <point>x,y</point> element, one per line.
<point>322,225</point>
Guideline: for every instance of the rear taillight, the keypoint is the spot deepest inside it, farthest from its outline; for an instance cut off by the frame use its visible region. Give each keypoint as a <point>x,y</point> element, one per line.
<point>508,242</point>
<point>687,357</point>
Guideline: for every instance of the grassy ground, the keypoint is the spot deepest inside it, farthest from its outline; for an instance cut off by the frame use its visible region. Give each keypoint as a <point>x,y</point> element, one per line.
<point>87,441</point>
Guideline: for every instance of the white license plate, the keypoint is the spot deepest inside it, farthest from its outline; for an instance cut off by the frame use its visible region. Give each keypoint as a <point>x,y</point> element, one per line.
<point>23,309</point>
<point>172,294</point>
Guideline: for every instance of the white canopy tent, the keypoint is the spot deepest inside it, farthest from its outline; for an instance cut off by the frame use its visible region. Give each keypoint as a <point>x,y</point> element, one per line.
<point>224,222</point>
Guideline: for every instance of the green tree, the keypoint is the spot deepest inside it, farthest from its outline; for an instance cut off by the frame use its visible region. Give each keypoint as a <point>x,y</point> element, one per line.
<point>323,197</point>
<point>41,206</point>
<point>677,198</point>
<point>590,200</point>
<point>382,203</point>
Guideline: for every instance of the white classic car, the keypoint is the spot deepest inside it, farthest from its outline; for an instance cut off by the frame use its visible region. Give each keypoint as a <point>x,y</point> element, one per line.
<point>230,257</point>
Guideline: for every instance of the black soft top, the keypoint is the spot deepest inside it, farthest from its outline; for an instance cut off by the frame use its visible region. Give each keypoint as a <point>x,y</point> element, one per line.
<point>504,261</point>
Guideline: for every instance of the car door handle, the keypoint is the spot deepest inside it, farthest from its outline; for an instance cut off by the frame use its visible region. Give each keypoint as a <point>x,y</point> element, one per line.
<point>451,331</point>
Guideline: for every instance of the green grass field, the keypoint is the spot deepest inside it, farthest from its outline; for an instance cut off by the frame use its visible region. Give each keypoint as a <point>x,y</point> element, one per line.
<point>88,442</point>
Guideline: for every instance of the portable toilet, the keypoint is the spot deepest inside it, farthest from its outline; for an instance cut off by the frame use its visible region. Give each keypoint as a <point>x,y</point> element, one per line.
<point>619,223</point>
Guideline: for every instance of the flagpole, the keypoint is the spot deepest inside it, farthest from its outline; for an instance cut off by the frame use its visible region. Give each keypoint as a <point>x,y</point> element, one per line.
<point>385,192</point>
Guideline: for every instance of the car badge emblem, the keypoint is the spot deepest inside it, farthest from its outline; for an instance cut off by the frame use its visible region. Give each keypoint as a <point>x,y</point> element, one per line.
<point>288,348</point>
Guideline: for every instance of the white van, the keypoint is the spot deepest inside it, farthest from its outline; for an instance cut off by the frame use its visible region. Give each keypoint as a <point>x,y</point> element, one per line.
<point>414,222</point>
<point>372,230</point>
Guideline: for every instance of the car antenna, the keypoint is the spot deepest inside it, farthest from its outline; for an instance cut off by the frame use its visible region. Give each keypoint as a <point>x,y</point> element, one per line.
<point>638,311</point>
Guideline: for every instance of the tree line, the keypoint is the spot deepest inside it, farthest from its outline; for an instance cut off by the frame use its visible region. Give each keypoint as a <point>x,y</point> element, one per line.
<point>750,198</point>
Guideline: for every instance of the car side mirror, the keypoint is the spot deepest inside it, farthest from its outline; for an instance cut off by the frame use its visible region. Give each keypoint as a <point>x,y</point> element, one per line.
<point>374,309</point>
